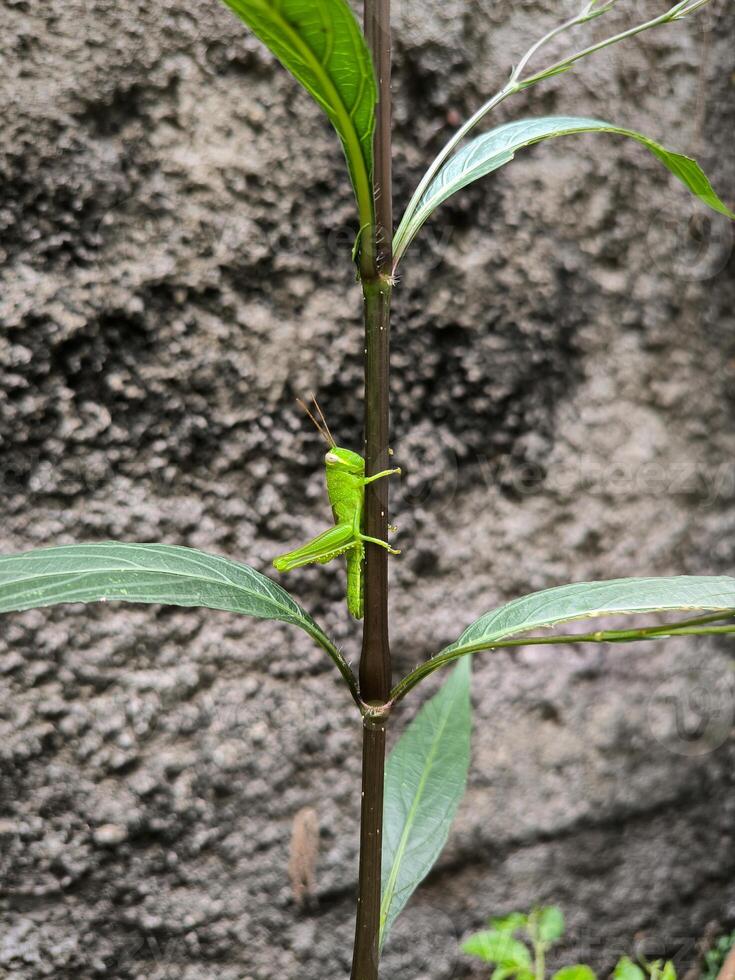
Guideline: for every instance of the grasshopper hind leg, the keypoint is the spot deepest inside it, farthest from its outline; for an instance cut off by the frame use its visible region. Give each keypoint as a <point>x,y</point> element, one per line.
<point>323,548</point>
<point>355,581</point>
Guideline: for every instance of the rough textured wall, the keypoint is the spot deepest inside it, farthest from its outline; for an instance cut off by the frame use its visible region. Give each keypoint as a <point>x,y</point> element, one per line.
<point>175,245</point>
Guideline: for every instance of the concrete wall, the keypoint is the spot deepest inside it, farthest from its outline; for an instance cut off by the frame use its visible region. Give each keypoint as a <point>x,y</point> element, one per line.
<point>176,227</point>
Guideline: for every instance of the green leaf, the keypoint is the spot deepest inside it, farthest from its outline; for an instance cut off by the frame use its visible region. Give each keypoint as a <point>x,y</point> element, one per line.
<point>549,924</point>
<point>503,972</point>
<point>494,149</point>
<point>425,780</point>
<point>150,573</point>
<point>585,600</point>
<point>578,972</point>
<point>653,969</point>
<point>141,573</point>
<point>499,947</point>
<point>509,923</point>
<point>626,969</point>
<point>669,971</point>
<point>322,45</point>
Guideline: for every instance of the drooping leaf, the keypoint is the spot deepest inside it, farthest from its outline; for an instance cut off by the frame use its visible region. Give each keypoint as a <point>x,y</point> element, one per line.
<point>149,573</point>
<point>494,149</point>
<point>511,955</point>
<point>322,45</point>
<point>425,779</point>
<point>577,972</point>
<point>584,600</point>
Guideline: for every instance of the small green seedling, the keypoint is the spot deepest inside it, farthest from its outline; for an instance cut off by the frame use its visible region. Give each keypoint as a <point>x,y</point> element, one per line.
<point>714,958</point>
<point>626,969</point>
<point>524,958</point>
<point>346,482</point>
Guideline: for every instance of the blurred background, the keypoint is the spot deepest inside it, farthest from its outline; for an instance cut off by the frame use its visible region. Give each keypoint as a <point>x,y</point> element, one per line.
<point>176,233</point>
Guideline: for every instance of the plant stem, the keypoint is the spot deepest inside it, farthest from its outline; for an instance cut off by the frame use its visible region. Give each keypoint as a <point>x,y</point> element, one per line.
<point>375,664</point>
<point>510,88</point>
<point>366,953</point>
<point>378,36</point>
<point>342,666</point>
<point>516,83</point>
<point>540,961</point>
<point>674,13</point>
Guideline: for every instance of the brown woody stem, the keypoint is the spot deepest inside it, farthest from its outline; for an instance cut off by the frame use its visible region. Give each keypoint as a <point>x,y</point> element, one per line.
<point>375,664</point>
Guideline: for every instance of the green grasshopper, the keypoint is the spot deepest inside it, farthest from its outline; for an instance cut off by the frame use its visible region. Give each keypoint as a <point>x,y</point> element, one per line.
<point>346,482</point>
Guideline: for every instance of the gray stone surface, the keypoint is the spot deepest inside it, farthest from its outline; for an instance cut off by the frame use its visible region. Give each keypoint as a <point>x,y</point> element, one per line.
<point>175,270</point>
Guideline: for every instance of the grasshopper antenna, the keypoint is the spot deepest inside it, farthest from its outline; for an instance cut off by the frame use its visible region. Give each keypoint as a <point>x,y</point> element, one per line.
<point>324,421</point>
<point>322,430</point>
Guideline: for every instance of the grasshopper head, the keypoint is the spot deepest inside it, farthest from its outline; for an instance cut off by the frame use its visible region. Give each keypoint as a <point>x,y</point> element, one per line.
<point>344,460</point>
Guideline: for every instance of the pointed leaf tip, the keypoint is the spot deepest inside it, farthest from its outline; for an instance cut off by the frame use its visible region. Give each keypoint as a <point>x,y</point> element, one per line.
<point>487,153</point>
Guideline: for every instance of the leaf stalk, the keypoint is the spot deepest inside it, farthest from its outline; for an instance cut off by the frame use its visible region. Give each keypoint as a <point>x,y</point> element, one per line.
<point>694,627</point>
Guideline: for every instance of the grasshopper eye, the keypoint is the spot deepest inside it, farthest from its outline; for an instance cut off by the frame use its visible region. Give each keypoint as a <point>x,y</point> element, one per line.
<point>332,458</point>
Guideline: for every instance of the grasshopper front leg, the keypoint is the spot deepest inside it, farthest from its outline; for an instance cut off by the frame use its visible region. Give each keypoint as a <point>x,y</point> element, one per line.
<point>365,537</point>
<point>383,544</point>
<point>379,476</point>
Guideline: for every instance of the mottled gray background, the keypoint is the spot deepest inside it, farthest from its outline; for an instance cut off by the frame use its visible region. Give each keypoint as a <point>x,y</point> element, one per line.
<point>176,228</point>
